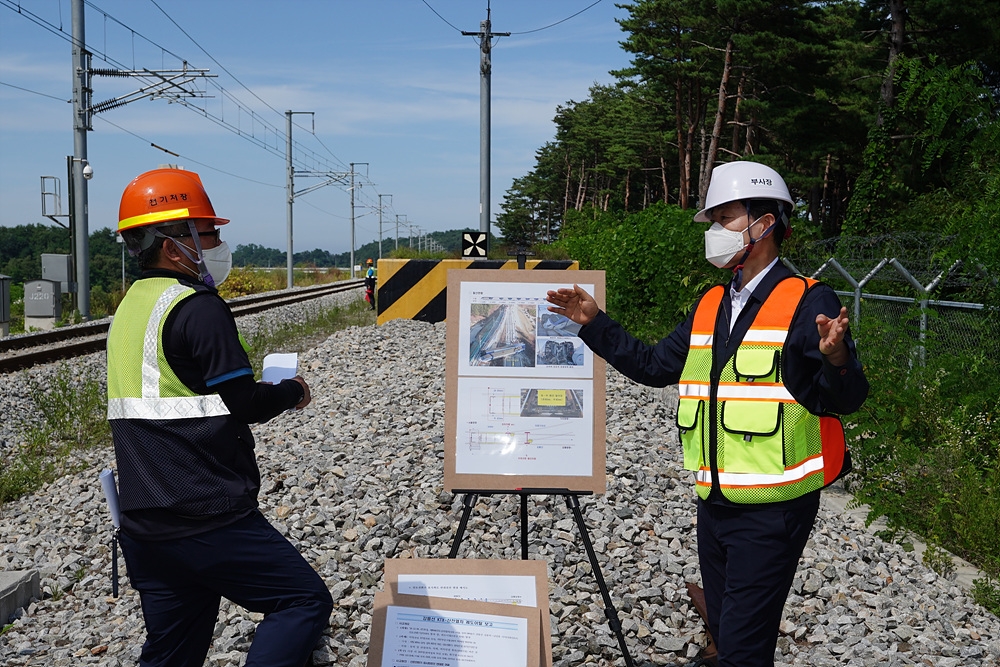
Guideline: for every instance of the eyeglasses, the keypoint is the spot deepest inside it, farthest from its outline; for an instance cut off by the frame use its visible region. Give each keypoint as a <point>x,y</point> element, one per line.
<point>214,233</point>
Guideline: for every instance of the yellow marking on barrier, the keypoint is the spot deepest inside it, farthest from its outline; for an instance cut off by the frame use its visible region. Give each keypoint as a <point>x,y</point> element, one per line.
<point>425,289</point>
<point>430,285</point>
<point>385,268</point>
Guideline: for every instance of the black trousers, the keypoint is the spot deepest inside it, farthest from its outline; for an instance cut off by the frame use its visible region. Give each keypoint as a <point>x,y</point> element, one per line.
<point>181,583</point>
<point>748,559</point>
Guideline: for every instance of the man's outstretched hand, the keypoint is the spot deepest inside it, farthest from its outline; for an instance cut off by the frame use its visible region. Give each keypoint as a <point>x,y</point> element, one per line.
<point>576,304</point>
<point>831,337</point>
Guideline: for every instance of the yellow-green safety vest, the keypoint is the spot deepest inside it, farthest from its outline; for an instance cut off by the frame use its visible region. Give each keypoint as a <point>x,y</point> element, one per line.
<point>744,425</point>
<point>141,384</point>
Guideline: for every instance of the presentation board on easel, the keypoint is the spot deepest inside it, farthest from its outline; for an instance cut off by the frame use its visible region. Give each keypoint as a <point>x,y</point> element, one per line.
<point>524,397</point>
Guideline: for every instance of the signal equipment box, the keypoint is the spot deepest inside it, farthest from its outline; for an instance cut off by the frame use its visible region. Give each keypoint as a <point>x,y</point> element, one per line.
<point>42,298</point>
<point>60,269</point>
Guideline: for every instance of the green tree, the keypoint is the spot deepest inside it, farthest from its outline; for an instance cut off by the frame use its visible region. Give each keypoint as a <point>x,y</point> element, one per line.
<point>21,248</point>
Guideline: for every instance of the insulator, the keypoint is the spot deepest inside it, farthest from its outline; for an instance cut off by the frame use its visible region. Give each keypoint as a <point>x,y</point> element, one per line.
<point>108,106</point>
<point>109,72</point>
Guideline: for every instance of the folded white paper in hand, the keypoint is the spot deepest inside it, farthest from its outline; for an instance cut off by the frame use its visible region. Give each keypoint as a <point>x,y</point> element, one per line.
<point>280,366</point>
<point>111,495</point>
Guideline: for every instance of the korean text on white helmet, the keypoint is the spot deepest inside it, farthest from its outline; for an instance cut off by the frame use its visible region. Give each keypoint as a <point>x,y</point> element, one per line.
<point>738,181</point>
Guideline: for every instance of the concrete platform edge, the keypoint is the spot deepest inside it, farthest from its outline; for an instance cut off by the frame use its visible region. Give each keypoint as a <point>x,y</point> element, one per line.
<point>16,590</point>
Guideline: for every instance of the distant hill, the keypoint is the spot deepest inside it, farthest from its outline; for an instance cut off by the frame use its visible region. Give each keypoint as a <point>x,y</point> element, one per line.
<point>447,243</point>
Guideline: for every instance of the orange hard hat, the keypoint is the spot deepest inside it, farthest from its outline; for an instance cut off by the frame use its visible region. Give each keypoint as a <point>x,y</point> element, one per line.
<point>370,261</point>
<point>162,196</point>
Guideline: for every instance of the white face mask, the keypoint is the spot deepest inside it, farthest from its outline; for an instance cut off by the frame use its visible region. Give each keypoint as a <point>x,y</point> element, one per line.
<point>218,261</point>
<point>722,244</point>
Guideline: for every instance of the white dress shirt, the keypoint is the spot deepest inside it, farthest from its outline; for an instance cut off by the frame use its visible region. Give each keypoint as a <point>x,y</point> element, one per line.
<point>739,299</point>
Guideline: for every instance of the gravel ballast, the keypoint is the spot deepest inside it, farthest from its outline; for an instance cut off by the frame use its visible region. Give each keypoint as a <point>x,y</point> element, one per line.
<point>357,477</point>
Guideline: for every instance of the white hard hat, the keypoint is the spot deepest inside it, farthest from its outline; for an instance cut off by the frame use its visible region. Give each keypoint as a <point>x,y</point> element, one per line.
<point>736,181</point>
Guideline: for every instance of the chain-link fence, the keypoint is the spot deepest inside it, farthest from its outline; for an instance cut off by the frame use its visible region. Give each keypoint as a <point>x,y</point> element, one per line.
<point>901,294</point>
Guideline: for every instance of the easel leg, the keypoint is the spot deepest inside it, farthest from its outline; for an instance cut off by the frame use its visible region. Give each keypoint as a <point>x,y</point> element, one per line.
<point>470,501</point>
<point>609,608</point>
<point>524,526</point>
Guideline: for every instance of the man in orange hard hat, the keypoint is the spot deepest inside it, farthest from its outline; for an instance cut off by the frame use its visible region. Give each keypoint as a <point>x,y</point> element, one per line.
<point>181,396</point>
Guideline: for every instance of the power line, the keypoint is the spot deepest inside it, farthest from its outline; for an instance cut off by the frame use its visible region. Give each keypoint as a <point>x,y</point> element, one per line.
<point>524,32</point>
<point>439,16</point>
<point>189,159</point>
<point>212,58</point>
<point>307,157</point>
<point>132,30</point>
<point>527,32</point>
<point>332,215</point>
<point>237,80</point>
<point>28,90</point>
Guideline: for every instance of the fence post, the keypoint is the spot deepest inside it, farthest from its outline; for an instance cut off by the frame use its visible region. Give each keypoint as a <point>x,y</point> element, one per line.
<point>855,285</point>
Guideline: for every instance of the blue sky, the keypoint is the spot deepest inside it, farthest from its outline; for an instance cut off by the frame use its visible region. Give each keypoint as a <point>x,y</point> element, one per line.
<point>391,84</point>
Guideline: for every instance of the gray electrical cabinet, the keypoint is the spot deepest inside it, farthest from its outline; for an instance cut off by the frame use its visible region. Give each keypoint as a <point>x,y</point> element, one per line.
<point>60,269</point>
<point>42,298</point>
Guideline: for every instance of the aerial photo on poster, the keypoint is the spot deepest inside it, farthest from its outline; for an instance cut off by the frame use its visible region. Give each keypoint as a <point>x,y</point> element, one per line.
<point>508,330</point>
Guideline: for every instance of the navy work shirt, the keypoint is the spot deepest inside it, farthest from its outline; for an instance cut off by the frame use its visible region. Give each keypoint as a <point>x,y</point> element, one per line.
<point>201,343</point>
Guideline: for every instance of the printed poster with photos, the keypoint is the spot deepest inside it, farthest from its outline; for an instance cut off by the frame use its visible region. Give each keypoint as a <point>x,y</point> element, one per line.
<point>525,396</point>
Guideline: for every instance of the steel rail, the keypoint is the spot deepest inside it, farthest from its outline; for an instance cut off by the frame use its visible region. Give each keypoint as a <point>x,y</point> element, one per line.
<point>89,338</point>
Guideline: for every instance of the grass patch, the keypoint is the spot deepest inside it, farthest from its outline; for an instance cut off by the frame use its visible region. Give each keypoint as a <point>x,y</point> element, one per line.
<point>73,416</point>
<point>250,280</point>
<point>986,592</point>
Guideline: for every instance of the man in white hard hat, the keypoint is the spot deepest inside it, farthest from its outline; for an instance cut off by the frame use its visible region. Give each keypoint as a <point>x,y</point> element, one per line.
<point>763,366</point>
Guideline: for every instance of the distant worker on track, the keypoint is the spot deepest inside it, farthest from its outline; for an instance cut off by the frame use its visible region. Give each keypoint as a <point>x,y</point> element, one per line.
<point>181,394</point>
<point>763,366</point>
<point>370,283</point>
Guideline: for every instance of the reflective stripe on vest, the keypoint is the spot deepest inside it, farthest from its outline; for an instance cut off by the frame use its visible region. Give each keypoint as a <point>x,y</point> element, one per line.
<point>767,447</point>
<point>162,394</point>
<point>735,480</point>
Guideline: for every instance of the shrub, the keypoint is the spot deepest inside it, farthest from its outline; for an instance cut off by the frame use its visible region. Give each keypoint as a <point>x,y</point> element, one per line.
<point>242,282</point>
<point>924,444</point>
<point>653,260</point>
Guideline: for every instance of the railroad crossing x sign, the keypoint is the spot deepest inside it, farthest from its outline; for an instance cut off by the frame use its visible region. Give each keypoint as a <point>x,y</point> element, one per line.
<point>474,244</point>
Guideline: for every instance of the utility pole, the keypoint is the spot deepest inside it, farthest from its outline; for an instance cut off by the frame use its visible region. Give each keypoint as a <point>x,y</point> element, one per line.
<point>485,70</point>
<point>170,84</point>
<point>290,187</point>
<point>81,123</point>
<point>380,224</point>
<point>352,214</point>
<point>352,220</point>
<point>290,193</point>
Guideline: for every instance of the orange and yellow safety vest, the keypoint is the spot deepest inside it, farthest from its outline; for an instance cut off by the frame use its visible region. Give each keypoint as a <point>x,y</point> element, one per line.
<point>742,424</point>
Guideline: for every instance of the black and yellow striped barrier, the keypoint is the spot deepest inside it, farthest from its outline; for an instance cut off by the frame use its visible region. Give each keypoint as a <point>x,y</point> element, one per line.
<point>416,289</point>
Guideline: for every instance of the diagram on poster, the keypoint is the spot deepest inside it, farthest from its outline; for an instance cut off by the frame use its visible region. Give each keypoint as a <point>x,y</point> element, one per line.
<point>507,329</point>
<point>519,426</point>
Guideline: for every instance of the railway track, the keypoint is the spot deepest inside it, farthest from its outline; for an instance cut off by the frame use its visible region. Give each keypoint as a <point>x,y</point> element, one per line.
<point>39,348</point>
